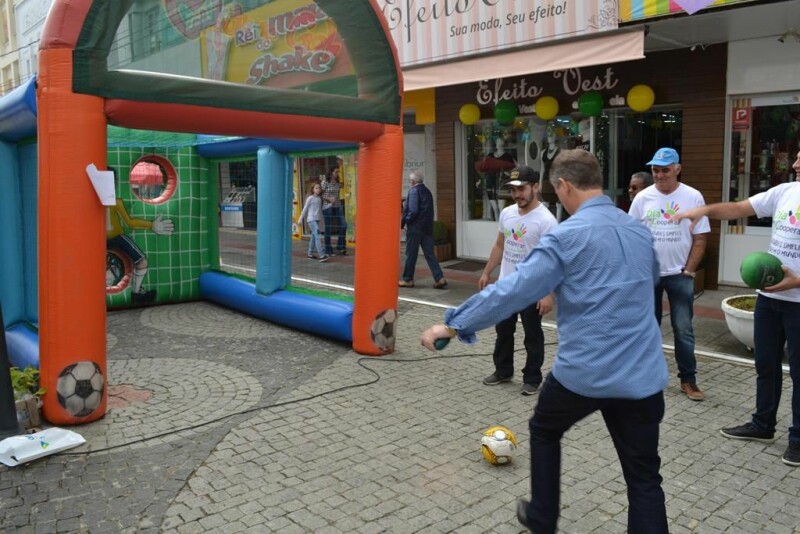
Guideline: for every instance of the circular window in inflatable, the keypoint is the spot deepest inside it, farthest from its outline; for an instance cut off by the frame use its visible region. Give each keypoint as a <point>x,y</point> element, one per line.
<point>153,179</point>
<point>119,269</point>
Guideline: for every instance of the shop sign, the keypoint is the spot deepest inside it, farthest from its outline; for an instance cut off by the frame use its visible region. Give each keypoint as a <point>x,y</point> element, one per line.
<point>740,114</point>
<point>427,31</point>
<point>630,10</point>
<point>282,44</point>
<point>573,81</point>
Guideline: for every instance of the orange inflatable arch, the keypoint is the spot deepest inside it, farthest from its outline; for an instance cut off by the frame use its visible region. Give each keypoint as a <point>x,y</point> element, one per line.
<point>321,70</point>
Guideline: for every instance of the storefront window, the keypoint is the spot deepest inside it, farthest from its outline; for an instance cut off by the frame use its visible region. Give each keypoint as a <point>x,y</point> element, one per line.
<point>494,150</point>
<point>764,141</point>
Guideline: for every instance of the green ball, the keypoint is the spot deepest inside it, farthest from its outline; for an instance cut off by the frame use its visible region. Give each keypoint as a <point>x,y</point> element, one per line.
<point>760,270</point>
<point>591,104</point>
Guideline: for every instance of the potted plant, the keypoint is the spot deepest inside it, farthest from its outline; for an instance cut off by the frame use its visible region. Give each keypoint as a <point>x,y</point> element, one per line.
<point>739,311</point>
<point>27,395</point>
<point>442,248</point>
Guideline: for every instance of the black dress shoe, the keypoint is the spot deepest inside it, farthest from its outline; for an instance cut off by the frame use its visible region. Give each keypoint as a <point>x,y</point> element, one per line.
<point>522,513</point>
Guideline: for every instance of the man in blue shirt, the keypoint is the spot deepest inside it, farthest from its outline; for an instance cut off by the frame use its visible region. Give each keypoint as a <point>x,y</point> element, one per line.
<point>602,267</point>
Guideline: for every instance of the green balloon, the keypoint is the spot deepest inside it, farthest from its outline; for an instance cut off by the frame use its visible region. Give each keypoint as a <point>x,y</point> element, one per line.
<point>505,112</point>
<point>591,104</point>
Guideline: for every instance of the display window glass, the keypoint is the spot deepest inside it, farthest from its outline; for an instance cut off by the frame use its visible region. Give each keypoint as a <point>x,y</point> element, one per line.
<point>764,142</point>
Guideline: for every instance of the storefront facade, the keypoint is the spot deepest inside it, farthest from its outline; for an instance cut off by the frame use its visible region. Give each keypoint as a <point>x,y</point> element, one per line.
<point>762,137</point>
<point>688,114</point>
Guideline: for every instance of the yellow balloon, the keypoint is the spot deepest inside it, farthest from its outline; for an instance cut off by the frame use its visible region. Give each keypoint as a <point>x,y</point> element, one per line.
<point>641,98</point>
<point>546,108</point>
<point>469,114</point>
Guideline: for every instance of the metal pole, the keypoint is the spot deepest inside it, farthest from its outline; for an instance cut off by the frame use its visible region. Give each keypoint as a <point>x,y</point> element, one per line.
<point>8,413</point>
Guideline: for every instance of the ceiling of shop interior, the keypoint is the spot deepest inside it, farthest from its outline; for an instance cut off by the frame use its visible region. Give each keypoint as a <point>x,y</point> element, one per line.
<point>719,26</point>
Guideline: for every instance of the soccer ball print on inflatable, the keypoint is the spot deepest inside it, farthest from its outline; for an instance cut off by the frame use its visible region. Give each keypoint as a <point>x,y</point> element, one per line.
<point>80,388</point>
<point>383,330</point>
<point>498,445</point>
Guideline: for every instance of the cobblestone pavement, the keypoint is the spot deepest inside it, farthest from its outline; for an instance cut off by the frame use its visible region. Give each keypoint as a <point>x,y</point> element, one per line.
<point>228,424</point>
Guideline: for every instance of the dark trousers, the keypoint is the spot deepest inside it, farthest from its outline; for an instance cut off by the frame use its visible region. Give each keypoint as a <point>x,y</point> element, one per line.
<point>415,239</point>
<point>776,322</point>
<point>633,425</point>
<point>534,345</point>
<point>335,224</point>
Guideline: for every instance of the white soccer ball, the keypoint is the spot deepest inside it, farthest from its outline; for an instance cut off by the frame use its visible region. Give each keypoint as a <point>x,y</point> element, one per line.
<point>384,329</point>
<point>80,388</point>
<point>498,445</point>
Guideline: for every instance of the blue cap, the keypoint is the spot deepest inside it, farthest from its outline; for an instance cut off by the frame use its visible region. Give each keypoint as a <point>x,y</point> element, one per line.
<point>665,157</point>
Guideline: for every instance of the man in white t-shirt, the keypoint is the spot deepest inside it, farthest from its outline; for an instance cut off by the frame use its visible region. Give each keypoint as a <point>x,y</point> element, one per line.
<point>680,248</point>
<point>777,314</point>
<point>521,226</point>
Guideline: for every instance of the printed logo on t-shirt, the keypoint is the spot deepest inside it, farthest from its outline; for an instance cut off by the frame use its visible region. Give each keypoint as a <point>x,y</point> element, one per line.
<point>662,217</point>
<point>790,216</point>
<point>516,233</point>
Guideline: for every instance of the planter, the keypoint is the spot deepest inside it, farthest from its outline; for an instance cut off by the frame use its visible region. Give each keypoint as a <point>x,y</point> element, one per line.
<point>740,321</point>
<point>443,252</point>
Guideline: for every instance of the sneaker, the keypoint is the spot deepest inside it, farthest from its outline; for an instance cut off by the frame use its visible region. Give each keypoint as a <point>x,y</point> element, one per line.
<point>749,432</point>
<point>522,513</point>
<point>323,258</point>
<point>692,391</point>
<point>312,257</point>
<point>406,283</point>
<point>343,252</point>
<point>493,379</point>
<point>529,389</point>
<point>792,454</point>
<point>441,284</point>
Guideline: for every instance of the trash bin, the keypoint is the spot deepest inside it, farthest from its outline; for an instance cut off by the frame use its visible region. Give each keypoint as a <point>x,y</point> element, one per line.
<point>232,207</point>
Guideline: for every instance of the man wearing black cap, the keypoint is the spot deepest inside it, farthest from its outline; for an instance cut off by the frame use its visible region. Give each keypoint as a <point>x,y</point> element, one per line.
<point>522,224</point>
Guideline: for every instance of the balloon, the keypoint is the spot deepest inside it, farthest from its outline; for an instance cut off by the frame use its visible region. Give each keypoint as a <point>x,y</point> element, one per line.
<point>591,104</point>
<point>641,97</point>
<point>505,112</point>
<point>546,108</point>
<point>469,114</point>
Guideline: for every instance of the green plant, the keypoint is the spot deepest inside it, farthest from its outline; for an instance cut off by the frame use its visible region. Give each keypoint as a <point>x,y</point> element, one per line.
<point>439,233</point>
<point>25,381</point>
<point>745,303</point>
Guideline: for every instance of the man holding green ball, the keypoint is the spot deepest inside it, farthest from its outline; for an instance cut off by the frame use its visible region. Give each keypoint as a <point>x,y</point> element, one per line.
<point>777,314</point>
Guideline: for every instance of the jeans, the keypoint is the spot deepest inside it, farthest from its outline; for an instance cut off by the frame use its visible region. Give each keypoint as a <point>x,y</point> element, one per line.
<point>776,322</point>
<point>413,241</point>
<point>633,426</point>
<point>534,345</point>
<point>680,294</point>
<point>334,222</point>
<point>316,239</point>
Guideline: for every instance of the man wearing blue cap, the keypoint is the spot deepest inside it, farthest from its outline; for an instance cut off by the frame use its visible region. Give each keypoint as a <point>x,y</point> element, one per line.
<point>680,249</point>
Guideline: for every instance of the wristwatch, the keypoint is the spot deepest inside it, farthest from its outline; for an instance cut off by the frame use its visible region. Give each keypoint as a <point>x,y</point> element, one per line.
<point>690,274</point>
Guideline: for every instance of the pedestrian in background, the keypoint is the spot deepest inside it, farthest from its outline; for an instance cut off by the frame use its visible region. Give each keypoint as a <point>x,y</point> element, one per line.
<point>418,222</point>
<point>312,214</point>
<point>333,212</point>
<point>639,180</point>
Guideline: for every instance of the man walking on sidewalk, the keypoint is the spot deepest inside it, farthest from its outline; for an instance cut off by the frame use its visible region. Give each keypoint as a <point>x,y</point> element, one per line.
<point>521,227</point>
<point>680,251</point>
<point>418,222</point>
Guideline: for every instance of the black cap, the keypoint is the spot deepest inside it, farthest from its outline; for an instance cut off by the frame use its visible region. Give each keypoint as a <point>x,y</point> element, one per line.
<point>522,175</point>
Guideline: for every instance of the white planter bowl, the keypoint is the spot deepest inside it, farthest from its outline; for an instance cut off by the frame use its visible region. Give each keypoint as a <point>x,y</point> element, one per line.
<point>740,322</point>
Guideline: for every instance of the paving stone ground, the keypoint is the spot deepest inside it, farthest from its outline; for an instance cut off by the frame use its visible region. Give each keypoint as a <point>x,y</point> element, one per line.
<point>252,427</point>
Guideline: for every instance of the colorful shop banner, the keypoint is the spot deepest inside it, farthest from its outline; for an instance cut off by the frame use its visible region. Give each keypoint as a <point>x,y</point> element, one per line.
<point>630,10</point>
<point>283,44</point>
<point>436,30</point>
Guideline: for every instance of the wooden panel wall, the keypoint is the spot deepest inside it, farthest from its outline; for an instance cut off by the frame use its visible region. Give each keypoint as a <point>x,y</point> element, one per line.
<point>693,80</point>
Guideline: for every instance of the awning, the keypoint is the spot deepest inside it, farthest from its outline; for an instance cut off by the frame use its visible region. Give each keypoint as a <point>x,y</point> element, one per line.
<point>614,48</point>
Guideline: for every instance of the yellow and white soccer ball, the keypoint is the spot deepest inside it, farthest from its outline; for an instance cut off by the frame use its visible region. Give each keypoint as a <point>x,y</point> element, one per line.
<point>498,445</point>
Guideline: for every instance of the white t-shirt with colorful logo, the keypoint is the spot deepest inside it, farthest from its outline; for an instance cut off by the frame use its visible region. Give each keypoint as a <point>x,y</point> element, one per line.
<point>672,240</point>
<point>782,203</point>
<point>522,234</point>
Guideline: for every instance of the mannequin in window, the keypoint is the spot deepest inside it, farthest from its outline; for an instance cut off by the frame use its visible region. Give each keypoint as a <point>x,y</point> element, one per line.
<point>550,150</point>
<point>491,169</point>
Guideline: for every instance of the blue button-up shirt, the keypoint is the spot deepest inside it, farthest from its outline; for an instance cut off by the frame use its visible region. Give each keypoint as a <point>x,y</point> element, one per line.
<point>602,266</point>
